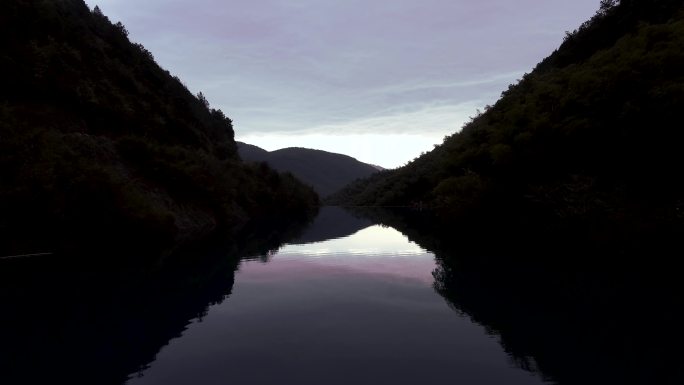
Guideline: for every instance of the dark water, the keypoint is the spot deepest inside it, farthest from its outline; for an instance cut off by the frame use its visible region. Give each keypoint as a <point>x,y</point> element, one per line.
<point>356,310</point>
<point>346,301</point>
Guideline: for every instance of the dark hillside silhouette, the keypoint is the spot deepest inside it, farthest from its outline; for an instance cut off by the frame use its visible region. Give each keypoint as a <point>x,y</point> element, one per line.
<point>326,172</point>
<point>251,153</point>
<point>98,142</point>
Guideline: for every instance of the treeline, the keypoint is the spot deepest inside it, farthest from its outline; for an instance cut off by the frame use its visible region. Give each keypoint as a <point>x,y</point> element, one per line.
<point>592,135</point>
<point>99,142</point>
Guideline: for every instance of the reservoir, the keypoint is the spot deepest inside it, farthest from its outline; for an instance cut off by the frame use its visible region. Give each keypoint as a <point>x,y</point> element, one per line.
<point>357,309</point>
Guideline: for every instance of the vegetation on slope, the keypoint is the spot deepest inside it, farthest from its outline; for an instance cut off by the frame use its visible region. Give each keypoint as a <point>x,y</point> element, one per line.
<point>99,142</point>
<point>592,134</point>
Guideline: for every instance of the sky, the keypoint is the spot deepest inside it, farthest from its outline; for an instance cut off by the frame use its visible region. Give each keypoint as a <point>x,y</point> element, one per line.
<point>379,80</point>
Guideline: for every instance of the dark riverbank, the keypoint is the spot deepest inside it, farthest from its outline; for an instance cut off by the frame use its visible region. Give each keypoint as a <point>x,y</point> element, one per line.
<point>95,319</point>
<point>579,307</point>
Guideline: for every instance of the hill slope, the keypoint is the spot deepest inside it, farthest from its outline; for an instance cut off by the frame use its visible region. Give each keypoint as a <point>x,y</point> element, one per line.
<point>326,172</point>
<point>99,142</point>
<point>592,134</point>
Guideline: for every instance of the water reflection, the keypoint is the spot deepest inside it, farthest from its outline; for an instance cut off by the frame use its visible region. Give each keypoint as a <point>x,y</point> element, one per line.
<point>355,310</point>
<point>375,249</point>
<point>573,310</point>
<point>367,305</point>
<point>332,223</point>
<point>98,321</point>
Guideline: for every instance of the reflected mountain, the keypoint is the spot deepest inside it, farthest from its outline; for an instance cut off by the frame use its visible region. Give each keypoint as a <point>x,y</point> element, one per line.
<point>67,321</point>
<point>590,327</point>
<point>558,307</point>
<point>356,310</point>
<point>332,223</point>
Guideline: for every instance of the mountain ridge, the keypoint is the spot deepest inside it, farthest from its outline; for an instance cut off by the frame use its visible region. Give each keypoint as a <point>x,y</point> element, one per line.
<point>325,171</point>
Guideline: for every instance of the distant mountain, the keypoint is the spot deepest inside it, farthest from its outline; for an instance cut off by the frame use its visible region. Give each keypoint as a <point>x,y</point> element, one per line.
<point>251,153</point>
<point>326,172</point>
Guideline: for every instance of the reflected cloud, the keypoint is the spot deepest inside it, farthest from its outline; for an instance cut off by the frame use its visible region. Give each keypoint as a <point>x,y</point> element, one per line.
<point>374,250</point>
<point>376,240</point>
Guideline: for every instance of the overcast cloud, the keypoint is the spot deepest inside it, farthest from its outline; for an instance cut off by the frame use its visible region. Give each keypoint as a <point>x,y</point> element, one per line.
<point>349,76</point>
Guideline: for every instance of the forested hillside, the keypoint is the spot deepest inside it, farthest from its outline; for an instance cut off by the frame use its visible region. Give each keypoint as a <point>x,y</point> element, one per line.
<point>326,172</point>
<point>99,142</point>
<point>592,134</point>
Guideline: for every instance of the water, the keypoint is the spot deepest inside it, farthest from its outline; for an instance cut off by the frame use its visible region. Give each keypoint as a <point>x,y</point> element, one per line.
<point>355,310</point>
<point>345,302</point>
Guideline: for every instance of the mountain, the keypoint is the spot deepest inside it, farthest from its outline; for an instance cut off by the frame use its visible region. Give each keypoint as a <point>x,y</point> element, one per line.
<point>102,146</point>
<point>591,137</point>
<point>251,153</point>
<point>326,172</point>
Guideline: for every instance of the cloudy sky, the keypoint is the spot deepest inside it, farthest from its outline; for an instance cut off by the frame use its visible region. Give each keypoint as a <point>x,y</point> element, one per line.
<point>380,80</point>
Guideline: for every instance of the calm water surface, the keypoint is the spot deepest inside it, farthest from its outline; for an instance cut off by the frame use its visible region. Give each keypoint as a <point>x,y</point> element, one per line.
<point>360,309</point>
<point>346,302</point>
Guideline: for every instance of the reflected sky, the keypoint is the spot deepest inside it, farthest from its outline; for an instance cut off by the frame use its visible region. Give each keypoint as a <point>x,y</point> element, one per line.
<point>355,310</point>
<point>374,240</point>
<point>376,249</point>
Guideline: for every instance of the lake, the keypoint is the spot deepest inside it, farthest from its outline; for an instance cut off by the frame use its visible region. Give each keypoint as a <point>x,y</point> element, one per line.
<point>343,301</point>
<point>355,310</point>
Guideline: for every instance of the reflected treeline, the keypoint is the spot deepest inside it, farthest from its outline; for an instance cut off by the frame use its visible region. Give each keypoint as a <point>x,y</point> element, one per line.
<point>77,321</point>
<point>576,308</point>
<point>332,223</point>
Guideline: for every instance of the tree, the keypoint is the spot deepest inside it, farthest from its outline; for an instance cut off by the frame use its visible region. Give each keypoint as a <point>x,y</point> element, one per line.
<point>606,5</point>
<point>203,99</point>
<point>121,28</point>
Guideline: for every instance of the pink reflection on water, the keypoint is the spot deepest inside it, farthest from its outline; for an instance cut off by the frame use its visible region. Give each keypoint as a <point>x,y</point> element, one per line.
<point>375,250</point>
